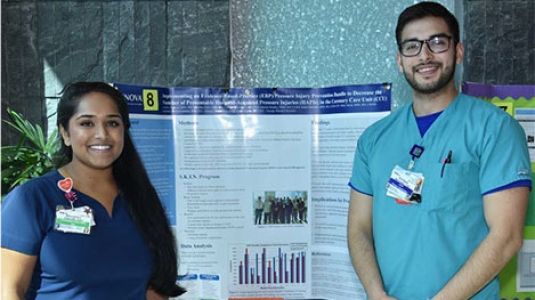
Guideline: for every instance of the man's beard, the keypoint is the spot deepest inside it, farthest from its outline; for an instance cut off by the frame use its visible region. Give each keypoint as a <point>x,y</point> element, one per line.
<point>446,76</point>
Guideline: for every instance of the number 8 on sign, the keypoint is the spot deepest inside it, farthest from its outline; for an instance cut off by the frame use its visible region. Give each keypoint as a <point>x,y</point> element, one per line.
<point>150,100</point>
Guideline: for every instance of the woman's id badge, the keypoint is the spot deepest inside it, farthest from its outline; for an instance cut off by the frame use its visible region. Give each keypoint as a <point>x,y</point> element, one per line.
<point>77,220</point>
<point>405,186</point>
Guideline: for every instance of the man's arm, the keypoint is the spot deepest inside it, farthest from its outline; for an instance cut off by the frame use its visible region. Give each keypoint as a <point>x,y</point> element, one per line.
<point>361,248</point>
<point>505,214</point>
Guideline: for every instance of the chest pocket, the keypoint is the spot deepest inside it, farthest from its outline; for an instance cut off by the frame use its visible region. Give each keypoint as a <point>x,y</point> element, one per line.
<point>456,188</point>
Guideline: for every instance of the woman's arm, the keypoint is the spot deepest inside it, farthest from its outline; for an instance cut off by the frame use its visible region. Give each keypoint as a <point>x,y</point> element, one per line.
<point>17,270</point>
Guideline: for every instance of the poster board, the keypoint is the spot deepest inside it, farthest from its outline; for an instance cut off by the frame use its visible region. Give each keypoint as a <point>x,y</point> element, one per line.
<point>216,155</point>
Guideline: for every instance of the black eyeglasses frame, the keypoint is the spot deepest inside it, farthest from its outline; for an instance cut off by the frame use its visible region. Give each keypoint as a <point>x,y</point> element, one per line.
<point>449,38</point>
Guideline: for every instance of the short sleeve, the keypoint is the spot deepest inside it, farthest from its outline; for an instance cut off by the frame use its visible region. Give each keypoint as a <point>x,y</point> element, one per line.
<point>22,230</point>
<point>360,176</point>
<point>505,157</point>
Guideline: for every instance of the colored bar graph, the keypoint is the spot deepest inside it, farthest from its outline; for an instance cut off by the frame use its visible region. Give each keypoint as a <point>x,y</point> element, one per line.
<point>280,268</point>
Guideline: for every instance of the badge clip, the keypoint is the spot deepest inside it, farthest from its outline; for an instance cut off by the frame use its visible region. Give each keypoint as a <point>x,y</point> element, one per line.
<point>66,186</point>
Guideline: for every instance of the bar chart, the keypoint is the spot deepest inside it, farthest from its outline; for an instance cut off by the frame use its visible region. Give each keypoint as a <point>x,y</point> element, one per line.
<point>269,264</point>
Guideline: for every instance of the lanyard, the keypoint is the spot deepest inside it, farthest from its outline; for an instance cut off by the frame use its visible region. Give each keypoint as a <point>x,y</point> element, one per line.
<point>416,152</point>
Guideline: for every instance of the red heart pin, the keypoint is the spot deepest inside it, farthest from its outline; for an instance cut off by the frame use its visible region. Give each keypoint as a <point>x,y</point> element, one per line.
<point>65,185</point>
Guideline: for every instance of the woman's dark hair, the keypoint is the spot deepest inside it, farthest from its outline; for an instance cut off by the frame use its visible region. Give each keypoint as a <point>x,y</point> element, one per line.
<point>142,200</point>
<point>427,9</point>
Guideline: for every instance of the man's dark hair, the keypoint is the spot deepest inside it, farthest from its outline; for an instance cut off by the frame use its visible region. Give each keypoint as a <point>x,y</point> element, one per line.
<point>427,9</point>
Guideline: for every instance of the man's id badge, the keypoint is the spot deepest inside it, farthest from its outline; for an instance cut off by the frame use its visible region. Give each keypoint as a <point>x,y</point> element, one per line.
<point>405,186</point>
<point>77,220</point>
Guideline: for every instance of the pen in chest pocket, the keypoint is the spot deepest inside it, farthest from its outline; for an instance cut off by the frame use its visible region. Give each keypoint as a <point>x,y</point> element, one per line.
<point>445,161</point>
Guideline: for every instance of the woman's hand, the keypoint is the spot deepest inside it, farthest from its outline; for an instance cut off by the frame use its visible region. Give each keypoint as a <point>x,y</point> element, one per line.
<point>153,295</point>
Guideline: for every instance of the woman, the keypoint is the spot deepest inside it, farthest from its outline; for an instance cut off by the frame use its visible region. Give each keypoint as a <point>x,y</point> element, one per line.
<point>95,228</point>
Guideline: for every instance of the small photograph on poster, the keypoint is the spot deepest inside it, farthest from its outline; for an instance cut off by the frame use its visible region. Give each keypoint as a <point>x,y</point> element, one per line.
<point>274,208</point>
<point>526,118</point>
<point>526,267</point>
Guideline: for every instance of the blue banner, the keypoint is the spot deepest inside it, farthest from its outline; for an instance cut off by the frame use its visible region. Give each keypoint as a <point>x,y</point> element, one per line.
<point>257,101</point>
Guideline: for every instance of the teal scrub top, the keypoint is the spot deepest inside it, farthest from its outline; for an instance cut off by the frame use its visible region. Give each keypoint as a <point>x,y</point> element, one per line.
<point>420,247</point>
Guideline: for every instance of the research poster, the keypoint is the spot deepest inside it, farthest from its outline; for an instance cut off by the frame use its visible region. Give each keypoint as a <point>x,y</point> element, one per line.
<point>254,181</point>
<point>517,280</point>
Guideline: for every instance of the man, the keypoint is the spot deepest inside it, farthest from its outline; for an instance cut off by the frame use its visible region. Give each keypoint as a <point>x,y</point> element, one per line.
<point>439,188</point>
<point>259,208</point>
<point>267,211</point>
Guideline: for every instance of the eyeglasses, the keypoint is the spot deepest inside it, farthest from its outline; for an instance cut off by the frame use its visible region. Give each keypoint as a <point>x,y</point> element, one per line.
<point>436,44</point>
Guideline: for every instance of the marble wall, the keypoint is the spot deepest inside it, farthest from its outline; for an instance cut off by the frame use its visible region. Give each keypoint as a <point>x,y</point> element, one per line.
<point>221,43</point>
<point>284,43</point>
<point>499,37</point>
<point>46,44</point>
